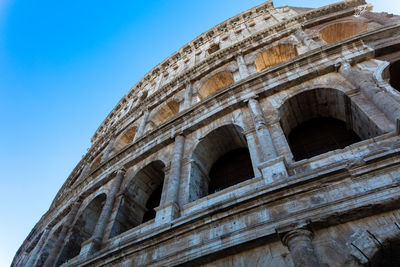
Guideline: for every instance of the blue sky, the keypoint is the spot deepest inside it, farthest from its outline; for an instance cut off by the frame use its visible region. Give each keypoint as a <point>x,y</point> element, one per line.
<point>63,66</point>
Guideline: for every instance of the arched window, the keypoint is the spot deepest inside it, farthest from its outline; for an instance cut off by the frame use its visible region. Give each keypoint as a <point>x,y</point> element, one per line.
<point>125,139</point>
<point>395,75</point>
<point>388,255</point>
<point>215,83</point>
<point>96,162</point>
<point>342,30</point>
<point>140,197</point>
<point>274,55</point>
<point>220,160</point>
<point>83,229</point>
<point>321,120</point>
<point>165,112</point>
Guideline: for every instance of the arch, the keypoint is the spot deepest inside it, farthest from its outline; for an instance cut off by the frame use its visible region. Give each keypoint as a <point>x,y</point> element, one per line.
<point>165,112</point>
<point>394,71</point>
<point>140,197</point>
<point>341,30</point>
<point>221,159</point>
<point>83,228</point>
<point>274,55</point>
<point>328,112</point>
<point>96,162</point>
<point>215,83</point>
<point>125,139</point>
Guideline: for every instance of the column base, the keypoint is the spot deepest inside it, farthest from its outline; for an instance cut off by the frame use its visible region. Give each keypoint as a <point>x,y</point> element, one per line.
<point>89,247</point>
<point>274,169</point>
<point>166,213</point>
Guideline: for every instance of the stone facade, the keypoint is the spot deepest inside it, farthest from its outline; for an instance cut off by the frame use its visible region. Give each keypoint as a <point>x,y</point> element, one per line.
<point>270,140</point>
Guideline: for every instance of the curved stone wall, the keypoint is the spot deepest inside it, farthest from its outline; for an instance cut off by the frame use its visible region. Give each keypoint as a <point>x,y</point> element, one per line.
<point>194,165</point>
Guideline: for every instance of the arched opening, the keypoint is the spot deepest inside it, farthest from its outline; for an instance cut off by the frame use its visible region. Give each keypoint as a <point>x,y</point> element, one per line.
<point>342,30</point>
<point>139,199</point>
<point>394,71</point>
<point>215,83</point>
<point>274,55</point>
<point>165,112</point>
<point>125,139</point>
<point>320,135</point>
<point>83,229</point>
<point>321,120</point>
<point>47,247</point>
<point>220,160</point>
<point>388,255</point>
<point>96,162</point>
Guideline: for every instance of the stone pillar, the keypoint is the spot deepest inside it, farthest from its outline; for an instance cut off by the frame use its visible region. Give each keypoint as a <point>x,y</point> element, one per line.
<point>142,125</point>
<point>95,241</point>
<point>388,105</point>
<point>301,249</point>
<point>305,39</point>
<point>36,251</point>
<point>267,148</point>
<point>56,250</point>
<point>254,153</point>
<point>280,141</point>
<point>272,166</point>
<point>170,209</point>
<point>242,66</point>
<point>107,150</point>
<point>188,96</point>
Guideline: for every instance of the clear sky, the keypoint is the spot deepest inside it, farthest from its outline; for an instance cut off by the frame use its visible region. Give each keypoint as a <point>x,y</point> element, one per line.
<point>64,65</point>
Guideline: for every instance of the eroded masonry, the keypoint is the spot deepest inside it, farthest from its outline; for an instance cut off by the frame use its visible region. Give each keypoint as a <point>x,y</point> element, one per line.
<point>270,140</point>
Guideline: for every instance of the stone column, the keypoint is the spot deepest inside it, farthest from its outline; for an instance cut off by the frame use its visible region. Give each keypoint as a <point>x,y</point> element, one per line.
<point>389,106</point>
<point>142,125</point>
<point>272,166</point>
<point>56,250</point>
<point>254,153</point>
<point>95,241</point>
<point>305,39</point>
<point>107,150</point>
<point>267,148</point>
<point>242,66</point>
<point>301,249</point>
<point>280,141</point>
<point>170,209</point>
<point>188,96</point>
<point>36,251</point>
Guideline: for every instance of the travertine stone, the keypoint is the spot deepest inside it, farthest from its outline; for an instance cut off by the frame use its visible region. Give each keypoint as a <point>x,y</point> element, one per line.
<point>301,249</point>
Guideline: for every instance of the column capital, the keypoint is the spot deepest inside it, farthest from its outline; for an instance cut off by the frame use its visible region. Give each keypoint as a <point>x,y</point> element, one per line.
<point>121,171</point>
<point>293,234</point>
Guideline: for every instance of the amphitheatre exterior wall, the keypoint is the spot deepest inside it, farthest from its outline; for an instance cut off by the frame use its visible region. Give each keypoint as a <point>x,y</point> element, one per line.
<point>141,196</point>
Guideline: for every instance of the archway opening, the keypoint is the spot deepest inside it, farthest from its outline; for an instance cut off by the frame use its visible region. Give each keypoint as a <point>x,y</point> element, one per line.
<point>274,55</point>
<point>318,136</point>
<point>83,229</point>
<point>165,112</point>
<point>96,162</point>
<point>125,139</point>
<point>395,75</point>
<point>342,30</point>
<point>139,199</point>
<point>220,160</point>
<point>321,120</point>
<point>215,83</point>
<point>388,255</point>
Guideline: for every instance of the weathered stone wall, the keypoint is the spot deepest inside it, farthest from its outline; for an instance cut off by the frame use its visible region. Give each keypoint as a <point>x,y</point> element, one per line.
<point>141,197</point>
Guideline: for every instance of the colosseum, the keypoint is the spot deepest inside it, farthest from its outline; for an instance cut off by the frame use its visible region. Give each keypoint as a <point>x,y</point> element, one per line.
<point>271,139</point>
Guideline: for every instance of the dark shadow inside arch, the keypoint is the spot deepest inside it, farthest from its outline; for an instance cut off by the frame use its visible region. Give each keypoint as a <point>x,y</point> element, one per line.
<point>82,230</point>
<point>220,160</point>
<point>139,199</point>
<point>395,75</point>
<point>387,256</point>
<point>318,136</point>
<point>321,120</point>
